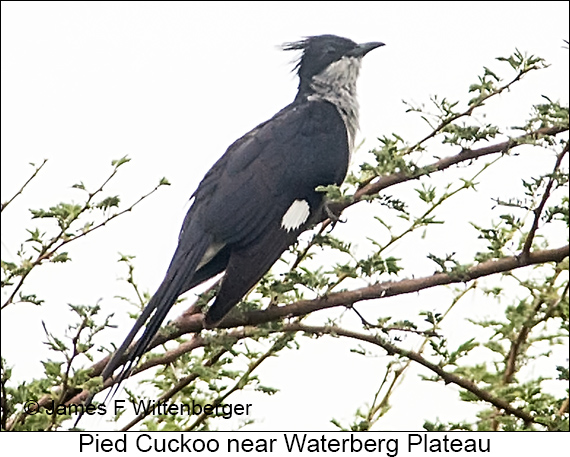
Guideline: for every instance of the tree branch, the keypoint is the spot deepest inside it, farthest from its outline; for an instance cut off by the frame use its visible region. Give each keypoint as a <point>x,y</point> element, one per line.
<point>193,323</point>
<point>37,170</point>
<point>177,388</point>
<point>540,208</point>
<point>472,107</point>
<point>465,154</point>
<point>391,349</point>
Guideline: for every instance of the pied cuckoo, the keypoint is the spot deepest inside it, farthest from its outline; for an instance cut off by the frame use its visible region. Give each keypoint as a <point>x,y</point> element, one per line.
<point>260,195</point>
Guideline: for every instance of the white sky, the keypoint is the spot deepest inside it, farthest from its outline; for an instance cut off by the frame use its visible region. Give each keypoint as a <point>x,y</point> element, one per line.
<point>171,85</point>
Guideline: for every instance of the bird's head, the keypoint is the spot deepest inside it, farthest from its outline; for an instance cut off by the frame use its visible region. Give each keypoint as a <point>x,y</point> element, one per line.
<point>330,56</point>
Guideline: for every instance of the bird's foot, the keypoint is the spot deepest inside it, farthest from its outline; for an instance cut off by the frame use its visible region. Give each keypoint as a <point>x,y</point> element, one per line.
<point>331,214</point>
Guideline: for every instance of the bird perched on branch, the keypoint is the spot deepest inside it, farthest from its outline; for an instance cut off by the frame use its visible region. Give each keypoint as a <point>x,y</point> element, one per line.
<point>260,195</point>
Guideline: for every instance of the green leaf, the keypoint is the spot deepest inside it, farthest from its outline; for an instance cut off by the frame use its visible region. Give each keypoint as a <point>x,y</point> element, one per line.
<point>117,163</point>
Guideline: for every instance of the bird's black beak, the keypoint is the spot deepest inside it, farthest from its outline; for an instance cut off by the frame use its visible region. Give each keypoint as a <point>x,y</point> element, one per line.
<point>364,48</point>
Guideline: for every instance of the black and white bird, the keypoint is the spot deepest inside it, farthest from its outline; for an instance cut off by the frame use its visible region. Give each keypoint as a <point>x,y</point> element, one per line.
<point>260,195</point>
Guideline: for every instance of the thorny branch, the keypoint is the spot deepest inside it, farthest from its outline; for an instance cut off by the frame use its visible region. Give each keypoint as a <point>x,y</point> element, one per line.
<point>399,373</point>
<point>177,388</point>
<point>394,350</point>
<point>37,170</point>
<point>192,323</point>
<point>383,182</point>
<point>469,111</point>
<point>540,208</point>
<point>57,242</point>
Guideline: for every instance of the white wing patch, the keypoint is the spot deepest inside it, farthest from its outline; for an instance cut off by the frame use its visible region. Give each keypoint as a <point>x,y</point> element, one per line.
<point>296,215</point>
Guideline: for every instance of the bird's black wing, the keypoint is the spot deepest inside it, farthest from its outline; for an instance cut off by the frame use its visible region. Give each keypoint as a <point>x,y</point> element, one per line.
<point>260,176</point>
<point>308,147</point>
<point>238,209</point>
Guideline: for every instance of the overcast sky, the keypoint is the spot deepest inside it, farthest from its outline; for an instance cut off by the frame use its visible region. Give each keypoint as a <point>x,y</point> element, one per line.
<point>171,85</point>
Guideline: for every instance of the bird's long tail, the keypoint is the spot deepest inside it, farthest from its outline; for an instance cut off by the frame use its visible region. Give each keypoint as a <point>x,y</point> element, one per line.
<point>182,267</point>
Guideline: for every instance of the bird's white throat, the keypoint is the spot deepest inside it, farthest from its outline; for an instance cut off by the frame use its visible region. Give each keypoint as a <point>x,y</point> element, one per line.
<point>337,85</point>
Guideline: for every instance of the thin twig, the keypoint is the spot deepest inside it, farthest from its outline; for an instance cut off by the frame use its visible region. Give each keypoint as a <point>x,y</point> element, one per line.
<point>540,208</point>
<point>384,182</point>
<point>395,350</point>
<point>4,205</point>
<point>243,379</point>
<point>400,373</point>
<point>468,111</point>
<point>49,250</point>
<point>184,382</point>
